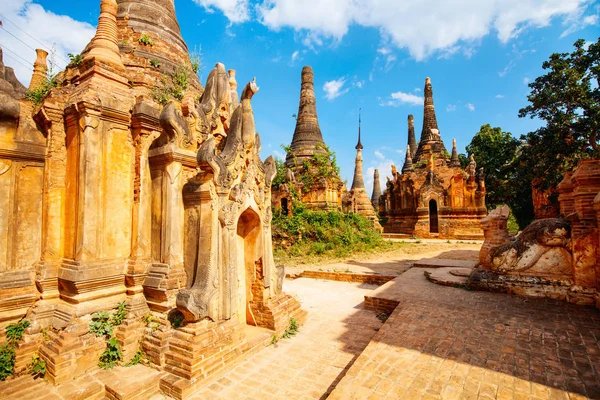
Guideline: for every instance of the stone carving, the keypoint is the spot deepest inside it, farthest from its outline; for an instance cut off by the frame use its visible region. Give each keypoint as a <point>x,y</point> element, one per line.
<point>552,257</point>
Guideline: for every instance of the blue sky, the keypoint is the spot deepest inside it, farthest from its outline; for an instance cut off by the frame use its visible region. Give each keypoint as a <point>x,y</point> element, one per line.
<point>365,54</point>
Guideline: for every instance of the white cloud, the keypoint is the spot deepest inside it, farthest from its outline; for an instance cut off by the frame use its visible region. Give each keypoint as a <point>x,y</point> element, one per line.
<point>235,10</point>
<point>333,88</point>
<point>416,90</point>
<point>51,31</point>
<point>499,96</point>
<point>578,22</point>
<point>441,27</point>
<point>398,98</point>
<point>470,107</point>
<point>451,107</point>
<point>379,155</point>
<point>295,55</point>
<point>279,154</point>
<point>507,69</point>
<point>526,81</point>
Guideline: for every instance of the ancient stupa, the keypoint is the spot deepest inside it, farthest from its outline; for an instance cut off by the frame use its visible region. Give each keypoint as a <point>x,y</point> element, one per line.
<point>131,182</point>
<point>308,148</point>
<point>433,196</point>
<point>359,201</point>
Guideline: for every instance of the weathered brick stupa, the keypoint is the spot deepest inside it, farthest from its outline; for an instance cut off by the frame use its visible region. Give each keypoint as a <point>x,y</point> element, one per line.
<point>433,196</point>
<point>309,172</point>
<point>358,200</point>
<point>130,182</point>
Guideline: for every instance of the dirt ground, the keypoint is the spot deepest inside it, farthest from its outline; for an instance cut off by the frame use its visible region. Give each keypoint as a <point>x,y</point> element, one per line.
<point>392,262</point>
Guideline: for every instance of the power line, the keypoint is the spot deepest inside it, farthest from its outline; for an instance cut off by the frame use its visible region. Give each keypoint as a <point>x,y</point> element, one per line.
<point>20,62</point>
<point>19,39</point>
<point>16,54</point>
<point>24,31</point>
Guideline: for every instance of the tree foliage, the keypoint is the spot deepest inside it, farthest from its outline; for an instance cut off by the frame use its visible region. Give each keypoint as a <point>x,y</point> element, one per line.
<point>494,150</point>
<point>567,99</point>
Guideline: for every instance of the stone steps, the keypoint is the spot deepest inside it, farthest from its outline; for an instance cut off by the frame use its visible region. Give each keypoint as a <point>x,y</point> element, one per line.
<point>130,383</point>
<point>455,277</point>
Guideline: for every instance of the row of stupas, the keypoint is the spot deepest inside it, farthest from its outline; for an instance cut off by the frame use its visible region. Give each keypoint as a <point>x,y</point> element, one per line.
<point>432,196</point>
<point>308,157</point>
<point>131,182</point>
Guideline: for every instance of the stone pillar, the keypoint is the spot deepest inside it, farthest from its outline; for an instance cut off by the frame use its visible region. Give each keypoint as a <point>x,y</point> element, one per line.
<point>50,118</point>
<point>97,238</point>
<point>495,233</point>
<point>40,70</point>
<point>586,185</point>
<point>166,275</point>
<point>146,128</point>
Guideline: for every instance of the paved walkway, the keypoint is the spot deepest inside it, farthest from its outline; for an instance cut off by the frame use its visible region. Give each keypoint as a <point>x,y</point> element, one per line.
<point>450,343</point>
<point>309,365</point>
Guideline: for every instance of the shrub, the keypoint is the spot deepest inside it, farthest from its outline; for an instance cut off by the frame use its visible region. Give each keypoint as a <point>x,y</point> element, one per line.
<point>146,40</point>
<point>76,59</point>
<point>112,354</point>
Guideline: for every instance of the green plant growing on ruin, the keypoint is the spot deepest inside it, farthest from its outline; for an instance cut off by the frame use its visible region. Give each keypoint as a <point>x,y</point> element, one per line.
<point>274,339</point>
<point>196,60</point>
<point>291,330</point>
<point>171,86</point>
<point>101,324</point>
<point>75,59</point>
<point>14,333</point>
<point>155,63</point>
<point>138,358</point>
<point>39,93</point>
<point>151,321</point>
<point>112,355</point>
<point>120,314</point>
<point>37,368</point>
<point>146,40</point>
<point>177,321</point>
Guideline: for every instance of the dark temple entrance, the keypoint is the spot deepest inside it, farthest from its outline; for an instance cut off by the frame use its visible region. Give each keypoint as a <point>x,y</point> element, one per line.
<point>433,217</point>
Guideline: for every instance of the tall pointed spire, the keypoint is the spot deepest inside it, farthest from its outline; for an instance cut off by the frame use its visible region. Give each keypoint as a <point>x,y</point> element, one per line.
<point>156,16</point>
<point>307,138</point>
<point>358,182</point>
<point>454,161</point>
<point>407,167</point>
<point>103,46</point>
<point>412,141</point>
<point>430,133</point>
<point>359,144</point>
<point>376,190</point>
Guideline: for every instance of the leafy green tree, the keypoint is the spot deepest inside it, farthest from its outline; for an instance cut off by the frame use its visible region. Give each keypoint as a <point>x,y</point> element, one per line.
<point>567,99</point>
<point>494,150</point>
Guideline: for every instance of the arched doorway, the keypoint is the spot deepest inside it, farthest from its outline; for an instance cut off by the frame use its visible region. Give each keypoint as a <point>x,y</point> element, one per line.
<point>433,217</point>
<point>249,252</point>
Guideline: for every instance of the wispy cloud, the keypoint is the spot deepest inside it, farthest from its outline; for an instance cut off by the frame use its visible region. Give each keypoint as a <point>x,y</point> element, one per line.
<point>451,107</point>
<point>470,107</point>
<point>526,81</point>
<point>379,155</point>
<point>334,88</point>
<point>499,96</point>
<point>398,98</point>
<point>295,55</point>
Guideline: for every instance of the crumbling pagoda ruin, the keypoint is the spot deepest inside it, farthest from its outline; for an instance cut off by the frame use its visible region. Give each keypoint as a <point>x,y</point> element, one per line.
<point>131,182</point>
<point>358,200</point>
<point>433,196</point>
<point>307,158</point>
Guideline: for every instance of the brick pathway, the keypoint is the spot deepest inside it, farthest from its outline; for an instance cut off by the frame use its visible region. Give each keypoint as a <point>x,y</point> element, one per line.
<point>450,343</point>
<point>309,365</point>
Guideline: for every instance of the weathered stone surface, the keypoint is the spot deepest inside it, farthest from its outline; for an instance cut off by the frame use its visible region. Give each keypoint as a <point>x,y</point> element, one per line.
<point>328,193</point>
<point>112,193</point>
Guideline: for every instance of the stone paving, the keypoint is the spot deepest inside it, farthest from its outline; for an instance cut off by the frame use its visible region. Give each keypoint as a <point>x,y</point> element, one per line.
<point>451,343</point>
<point>309,365</point>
